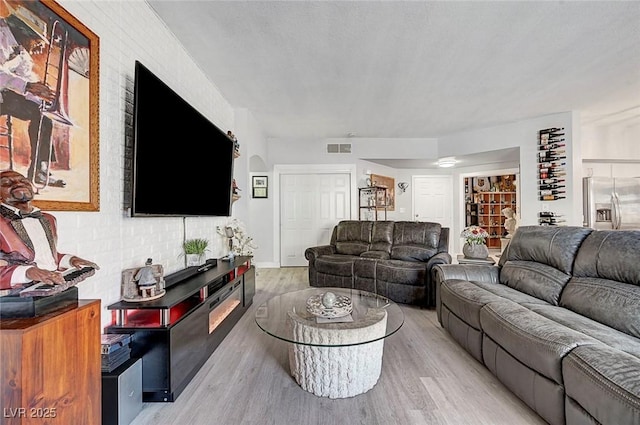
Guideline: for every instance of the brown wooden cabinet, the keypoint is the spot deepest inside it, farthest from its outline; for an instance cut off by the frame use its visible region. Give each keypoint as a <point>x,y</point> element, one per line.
<point>50,367</point>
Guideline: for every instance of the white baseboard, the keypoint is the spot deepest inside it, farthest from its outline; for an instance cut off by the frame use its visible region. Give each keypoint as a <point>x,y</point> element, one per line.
<point>266,265</point>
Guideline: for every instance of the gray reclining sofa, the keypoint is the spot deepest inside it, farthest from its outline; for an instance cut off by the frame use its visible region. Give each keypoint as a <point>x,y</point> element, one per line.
<point>557,321</point>
<point>391,258</point>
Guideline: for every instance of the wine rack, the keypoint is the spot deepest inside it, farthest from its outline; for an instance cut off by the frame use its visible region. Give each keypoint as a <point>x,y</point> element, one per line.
<point>551,164</point>
<point>548,218</point>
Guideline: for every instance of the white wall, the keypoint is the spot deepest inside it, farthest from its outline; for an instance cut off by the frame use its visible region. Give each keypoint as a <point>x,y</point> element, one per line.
<point>524,134</point>
<point>129,31</point>
<point>256,214</point>
<point>617,140</point>
<point>296,151</point>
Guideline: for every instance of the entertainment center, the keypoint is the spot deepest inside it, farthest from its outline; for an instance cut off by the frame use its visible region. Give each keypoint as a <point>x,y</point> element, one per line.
<point>175,335</point>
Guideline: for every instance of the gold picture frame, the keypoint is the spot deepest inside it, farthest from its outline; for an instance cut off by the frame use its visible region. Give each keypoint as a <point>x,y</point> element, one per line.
<point>65,56</point>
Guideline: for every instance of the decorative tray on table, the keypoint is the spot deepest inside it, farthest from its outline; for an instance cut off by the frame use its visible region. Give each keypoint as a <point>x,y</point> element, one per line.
<point>329,305</point>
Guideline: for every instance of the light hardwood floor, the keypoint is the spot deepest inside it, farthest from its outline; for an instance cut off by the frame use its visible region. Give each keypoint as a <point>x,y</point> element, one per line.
<point>426,379</point>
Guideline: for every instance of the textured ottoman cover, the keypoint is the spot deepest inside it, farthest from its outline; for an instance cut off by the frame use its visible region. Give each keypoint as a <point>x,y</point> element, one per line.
<point>337,371</point>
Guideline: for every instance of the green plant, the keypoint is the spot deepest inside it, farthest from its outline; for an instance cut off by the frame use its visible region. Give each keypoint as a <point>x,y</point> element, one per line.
<point>195,246</point>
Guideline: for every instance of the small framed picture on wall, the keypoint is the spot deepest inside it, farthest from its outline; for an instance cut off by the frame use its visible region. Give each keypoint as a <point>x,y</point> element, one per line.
<point>260,187</point>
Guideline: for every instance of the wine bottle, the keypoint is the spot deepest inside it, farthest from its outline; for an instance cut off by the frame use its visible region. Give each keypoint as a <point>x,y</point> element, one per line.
<point>552,152</point>
<point>551,130</point>
<point>551,163</point>
<point>551,192</point>
<point>551,181</point>
<point>554,172</point>
<point>552,168</point>
<point>551,186</point>
<point>552,146</point>
<point>551,159</point>
<point>551,197</point>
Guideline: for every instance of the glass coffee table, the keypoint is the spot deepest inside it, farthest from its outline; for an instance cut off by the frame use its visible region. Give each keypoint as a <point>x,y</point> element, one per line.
<point>335,357</point>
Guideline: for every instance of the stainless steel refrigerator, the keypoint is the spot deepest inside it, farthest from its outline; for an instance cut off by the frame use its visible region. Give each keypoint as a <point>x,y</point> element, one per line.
<point>611,203</point>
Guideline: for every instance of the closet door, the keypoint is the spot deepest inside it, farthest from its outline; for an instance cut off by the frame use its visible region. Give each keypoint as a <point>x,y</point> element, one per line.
<point>310,206</point>
<point>433,201</point>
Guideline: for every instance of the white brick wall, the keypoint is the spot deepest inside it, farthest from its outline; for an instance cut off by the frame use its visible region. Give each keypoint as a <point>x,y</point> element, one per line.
<point>130,31</point>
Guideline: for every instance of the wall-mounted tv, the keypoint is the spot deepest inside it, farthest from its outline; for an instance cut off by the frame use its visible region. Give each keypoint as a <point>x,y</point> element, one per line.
<point>182,162</point>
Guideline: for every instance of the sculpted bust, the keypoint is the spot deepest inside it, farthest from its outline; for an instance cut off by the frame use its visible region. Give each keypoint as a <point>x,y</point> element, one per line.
<point>511,223</point>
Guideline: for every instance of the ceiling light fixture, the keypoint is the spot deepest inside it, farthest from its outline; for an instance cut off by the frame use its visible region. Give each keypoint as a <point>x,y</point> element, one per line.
<point>447,162</point>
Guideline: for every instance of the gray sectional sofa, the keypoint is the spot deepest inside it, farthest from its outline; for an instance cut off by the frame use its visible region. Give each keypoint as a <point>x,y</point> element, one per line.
<point>391,258</point>
<point>557,321</point>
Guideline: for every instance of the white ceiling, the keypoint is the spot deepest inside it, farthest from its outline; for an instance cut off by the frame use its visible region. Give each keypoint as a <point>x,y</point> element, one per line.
<point>325,69</point>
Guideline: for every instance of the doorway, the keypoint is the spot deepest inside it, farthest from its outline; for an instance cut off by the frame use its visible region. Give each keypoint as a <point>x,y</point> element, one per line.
<point>311,204</point>
<point>433,201</point>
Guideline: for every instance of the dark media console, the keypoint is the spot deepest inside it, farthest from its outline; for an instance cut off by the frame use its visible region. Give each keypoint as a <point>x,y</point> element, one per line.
<point>175,335</point>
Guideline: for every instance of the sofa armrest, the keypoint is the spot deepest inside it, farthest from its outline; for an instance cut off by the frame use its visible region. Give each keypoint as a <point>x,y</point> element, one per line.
<point>316,251</point>
<point>475,272</point>
<point>439,258</point>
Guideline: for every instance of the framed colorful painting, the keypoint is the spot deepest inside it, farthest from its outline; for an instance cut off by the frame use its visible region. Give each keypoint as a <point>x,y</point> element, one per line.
<point>49,110</point>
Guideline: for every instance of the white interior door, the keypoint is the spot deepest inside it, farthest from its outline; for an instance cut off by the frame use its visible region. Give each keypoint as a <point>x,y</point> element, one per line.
<point>433,200</point>
<point>310,206</point>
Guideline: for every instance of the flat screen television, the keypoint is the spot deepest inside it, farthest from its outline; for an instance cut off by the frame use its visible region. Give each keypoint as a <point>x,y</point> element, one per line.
<point>182,163</point>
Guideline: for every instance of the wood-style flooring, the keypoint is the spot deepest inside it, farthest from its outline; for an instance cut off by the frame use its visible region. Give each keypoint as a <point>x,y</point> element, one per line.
<point>426,379</point>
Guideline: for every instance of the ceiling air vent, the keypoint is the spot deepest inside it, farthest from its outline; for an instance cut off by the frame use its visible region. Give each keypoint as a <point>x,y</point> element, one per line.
<point>339,148</point>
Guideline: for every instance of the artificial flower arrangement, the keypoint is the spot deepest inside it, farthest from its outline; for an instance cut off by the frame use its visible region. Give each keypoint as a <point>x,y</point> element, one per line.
<point>243,244</point>
<point>474,235</point>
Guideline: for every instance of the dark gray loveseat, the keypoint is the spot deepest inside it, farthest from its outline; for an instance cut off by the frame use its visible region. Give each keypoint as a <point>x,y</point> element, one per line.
<point>391,258</point>
<point>557,321</point>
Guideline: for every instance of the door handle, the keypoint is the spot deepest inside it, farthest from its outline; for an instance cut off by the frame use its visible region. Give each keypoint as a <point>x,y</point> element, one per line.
<point>614,211</point>
<point>618,212</point>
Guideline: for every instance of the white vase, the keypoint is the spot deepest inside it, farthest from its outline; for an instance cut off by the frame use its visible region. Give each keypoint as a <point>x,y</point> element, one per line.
<point>194,260</point>
<point>475,251</point>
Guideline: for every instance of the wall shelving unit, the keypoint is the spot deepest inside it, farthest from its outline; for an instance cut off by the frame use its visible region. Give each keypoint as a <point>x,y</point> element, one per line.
<point>372,200</point>
<point>490,216</point>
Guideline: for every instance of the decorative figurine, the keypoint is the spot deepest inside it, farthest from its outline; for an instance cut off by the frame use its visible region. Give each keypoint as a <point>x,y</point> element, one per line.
<point>145,280</point>
<point>143,283</point>
<point>236,145</point>
<point>28,237</point>
<point>511,223</point>
<point>234,187</point>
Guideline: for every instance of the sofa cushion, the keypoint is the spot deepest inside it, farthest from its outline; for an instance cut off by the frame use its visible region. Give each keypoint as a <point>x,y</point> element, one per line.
<point>535,341</point>
<point>511,294</point>
<point>397,271</point>
<point>610,254</point>
<point>465,300</point>
<point>378,255</point>
<point>335,264</point>
<point>604,382</point>
<point>353,237</point>
<point>611,337</point>
<point>618,304</point>
<point>535,279</point>
<point>415,241</point>
<point>382,236</point>
<point>555,246</point>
